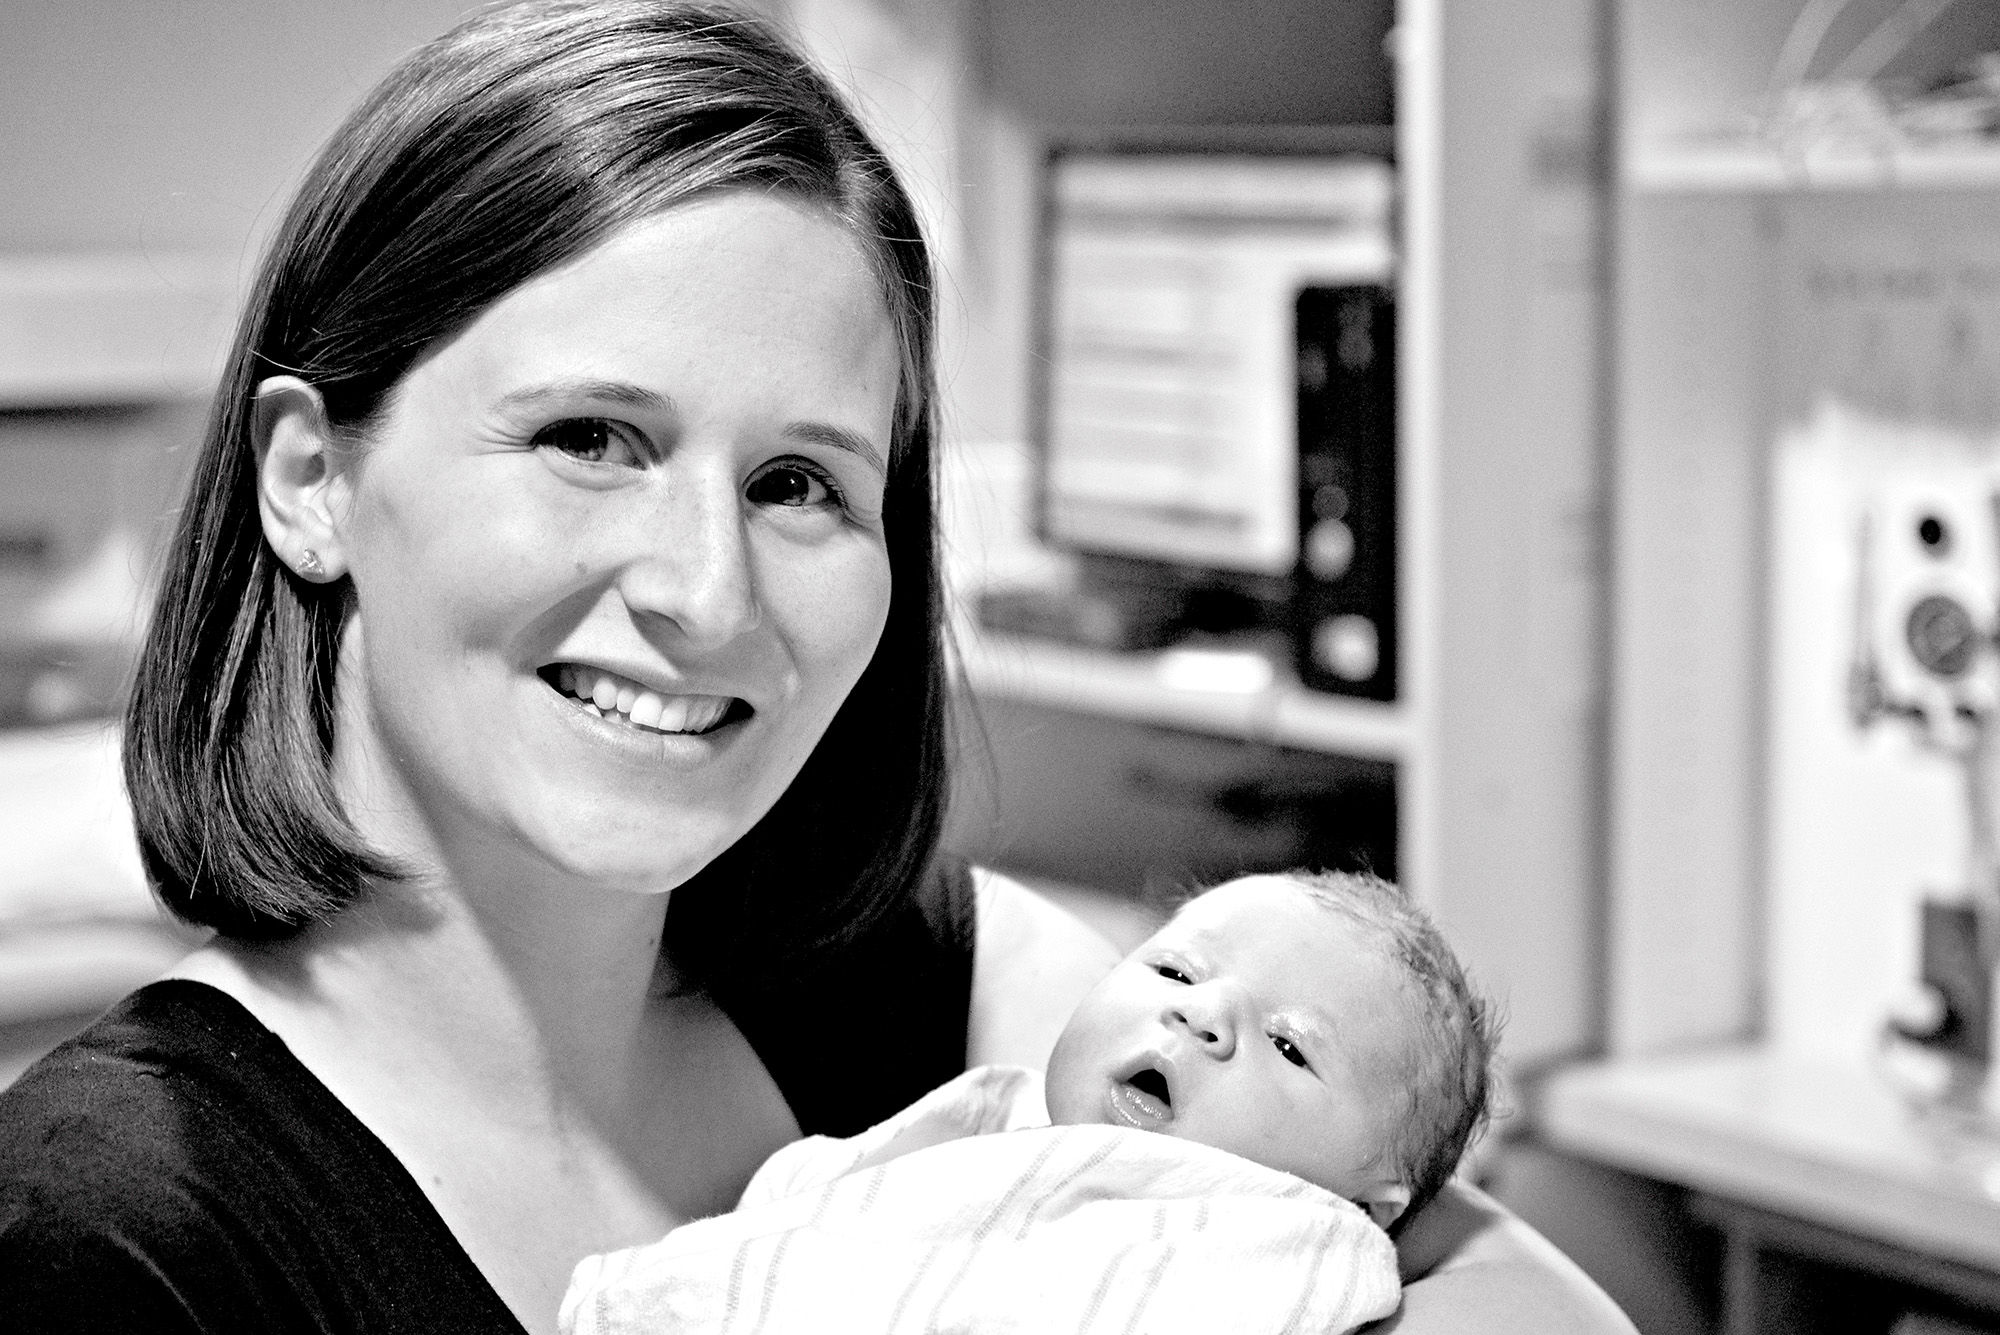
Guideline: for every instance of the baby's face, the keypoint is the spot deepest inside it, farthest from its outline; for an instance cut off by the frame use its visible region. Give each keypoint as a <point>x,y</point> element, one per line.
<point>1256,1021</point>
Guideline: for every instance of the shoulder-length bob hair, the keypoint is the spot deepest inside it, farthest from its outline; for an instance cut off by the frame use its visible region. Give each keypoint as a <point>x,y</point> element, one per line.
<point>512,144</point>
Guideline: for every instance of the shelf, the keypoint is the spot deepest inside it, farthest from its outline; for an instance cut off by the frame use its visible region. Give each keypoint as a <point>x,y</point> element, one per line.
<point>1812,1139</point>
<point>1137,687</point>
<point>1755,168</point>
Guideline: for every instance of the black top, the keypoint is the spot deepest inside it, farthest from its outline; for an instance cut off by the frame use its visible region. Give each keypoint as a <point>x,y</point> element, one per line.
<point>174,1167</point>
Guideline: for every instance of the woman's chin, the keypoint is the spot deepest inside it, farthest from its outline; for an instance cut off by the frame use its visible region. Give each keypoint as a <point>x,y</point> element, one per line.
<point>606,869</point>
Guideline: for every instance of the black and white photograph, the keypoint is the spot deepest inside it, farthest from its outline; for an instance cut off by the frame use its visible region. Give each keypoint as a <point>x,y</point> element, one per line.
<point>1000,667</point>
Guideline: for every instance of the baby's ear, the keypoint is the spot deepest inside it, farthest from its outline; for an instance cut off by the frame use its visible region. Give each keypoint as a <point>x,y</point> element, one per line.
<point>1384,1202</point>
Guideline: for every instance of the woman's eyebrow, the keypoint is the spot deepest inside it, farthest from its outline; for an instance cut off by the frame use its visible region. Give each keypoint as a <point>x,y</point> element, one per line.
<point>573,388</point>
<point>839,438</point>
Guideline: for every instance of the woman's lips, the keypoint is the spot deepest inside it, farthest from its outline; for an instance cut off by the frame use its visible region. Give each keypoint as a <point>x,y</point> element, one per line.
<point>1141,1102</point>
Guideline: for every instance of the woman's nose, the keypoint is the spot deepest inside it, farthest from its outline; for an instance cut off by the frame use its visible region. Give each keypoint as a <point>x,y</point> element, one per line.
<point>695,567</point>
<point>1205,1014</point>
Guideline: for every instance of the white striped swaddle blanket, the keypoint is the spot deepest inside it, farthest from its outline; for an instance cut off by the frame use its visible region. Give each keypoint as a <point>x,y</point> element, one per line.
<point>983,1222</point>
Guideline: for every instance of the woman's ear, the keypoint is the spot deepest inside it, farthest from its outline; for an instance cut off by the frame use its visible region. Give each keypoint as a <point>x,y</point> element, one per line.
<point>301,481</point>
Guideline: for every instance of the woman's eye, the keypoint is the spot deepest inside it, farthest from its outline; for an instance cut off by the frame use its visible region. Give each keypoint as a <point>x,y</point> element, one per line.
<point>1288,1050</point>
<point>791,484</point>
<point>591,440</point>
<point>1171,974</point>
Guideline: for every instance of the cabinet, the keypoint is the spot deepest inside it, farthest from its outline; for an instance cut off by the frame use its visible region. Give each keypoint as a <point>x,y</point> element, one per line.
<point>1838,1207</point>
<point>1744,993</point>
<point>1495,737</point>
<point>1737,248</point>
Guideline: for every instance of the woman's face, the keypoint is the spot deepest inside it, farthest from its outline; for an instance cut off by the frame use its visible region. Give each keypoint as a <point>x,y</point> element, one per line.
<point>617,550</point>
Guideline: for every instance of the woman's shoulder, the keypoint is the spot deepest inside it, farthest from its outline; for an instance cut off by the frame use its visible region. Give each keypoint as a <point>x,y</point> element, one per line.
<point>102,1192</point>
<point>1469,1265</point>
<point>122,1091</point>
<point>174,1165</point>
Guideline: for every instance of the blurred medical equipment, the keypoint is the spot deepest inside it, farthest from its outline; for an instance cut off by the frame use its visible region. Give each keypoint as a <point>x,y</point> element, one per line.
<point>1852,108</point>
<point>1926,652</point>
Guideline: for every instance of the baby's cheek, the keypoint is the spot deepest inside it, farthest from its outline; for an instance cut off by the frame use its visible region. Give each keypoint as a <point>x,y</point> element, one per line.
<point>1266,1126</point>
<point>1064,1083</point>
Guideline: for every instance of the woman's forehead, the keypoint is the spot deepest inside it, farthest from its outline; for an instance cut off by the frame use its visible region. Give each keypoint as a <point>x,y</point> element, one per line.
<point>784,290</point>
<point>762,254</point>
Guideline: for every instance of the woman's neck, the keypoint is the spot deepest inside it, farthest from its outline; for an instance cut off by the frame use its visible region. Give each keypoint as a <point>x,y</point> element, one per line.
<point>525,1057</point>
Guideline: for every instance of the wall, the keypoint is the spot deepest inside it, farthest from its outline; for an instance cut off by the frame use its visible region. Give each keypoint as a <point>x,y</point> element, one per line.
<point>1498,125</point>
<point>148,149</point>
<point>134,125</point>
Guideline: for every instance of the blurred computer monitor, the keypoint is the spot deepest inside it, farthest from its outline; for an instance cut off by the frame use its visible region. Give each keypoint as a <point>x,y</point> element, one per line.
<point>1199,373</point>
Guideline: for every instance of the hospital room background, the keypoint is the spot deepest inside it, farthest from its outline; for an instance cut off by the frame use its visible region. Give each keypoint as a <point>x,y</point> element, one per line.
<point>1545,451</point>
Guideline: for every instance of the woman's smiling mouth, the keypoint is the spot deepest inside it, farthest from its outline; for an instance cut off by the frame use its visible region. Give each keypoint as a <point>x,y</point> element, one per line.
<point>623,700</point>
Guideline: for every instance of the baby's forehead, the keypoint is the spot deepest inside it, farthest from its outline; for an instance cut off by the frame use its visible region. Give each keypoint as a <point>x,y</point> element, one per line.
<point>1277,922</point>
<point>1322,949</point>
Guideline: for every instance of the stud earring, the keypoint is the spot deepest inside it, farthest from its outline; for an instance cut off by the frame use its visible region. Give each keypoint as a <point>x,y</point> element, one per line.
<point>309,564</point>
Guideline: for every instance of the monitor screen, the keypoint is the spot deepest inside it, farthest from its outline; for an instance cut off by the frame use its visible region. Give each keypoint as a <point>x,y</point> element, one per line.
<point>1167,404</point>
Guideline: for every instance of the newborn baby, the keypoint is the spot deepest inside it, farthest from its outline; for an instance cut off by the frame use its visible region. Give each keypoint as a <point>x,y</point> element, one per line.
<point>1311,1058</point>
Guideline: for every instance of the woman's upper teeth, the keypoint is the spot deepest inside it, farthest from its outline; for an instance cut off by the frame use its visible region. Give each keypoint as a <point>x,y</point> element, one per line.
<point>624,698</point>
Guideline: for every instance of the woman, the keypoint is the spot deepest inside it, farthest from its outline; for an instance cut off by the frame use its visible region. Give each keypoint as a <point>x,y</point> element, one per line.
<point>544,704</point>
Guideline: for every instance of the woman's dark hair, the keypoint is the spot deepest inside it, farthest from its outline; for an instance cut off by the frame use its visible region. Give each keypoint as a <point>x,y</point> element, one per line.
<point>512,144</point>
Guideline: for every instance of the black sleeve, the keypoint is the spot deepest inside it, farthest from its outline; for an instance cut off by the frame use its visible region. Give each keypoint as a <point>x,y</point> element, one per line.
<point>92,1239</point>
<point>174,1168</point>
<point>57,1276</point>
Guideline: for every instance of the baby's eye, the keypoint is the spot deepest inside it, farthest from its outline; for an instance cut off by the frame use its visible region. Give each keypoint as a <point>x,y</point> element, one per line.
<point>791,482</point>
<point>591,440</point>
<point>1171,974</point>
<point>1288,1050</point>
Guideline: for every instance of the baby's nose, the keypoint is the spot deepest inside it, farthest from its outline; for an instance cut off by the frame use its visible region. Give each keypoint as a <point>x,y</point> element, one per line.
<point>1208,1025</point>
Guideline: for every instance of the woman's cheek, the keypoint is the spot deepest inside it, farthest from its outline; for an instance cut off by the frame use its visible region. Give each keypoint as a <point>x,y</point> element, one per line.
<point>836,612</point>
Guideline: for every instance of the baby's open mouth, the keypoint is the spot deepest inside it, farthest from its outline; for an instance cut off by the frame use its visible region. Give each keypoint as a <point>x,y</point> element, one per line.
<point>623,700</point>
<point>1143,1100</point>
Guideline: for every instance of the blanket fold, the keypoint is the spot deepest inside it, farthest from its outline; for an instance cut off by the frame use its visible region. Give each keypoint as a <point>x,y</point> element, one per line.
<point>954,1216</point>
